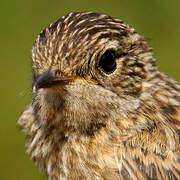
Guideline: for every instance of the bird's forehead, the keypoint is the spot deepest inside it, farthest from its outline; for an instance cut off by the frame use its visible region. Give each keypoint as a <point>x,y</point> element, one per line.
<point>73,38</point>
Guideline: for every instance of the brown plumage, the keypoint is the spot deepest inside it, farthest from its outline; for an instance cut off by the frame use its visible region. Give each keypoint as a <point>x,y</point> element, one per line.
<point>101,109</point>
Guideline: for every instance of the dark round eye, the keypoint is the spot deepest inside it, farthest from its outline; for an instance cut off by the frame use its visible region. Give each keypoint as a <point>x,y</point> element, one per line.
<point>107,62</point>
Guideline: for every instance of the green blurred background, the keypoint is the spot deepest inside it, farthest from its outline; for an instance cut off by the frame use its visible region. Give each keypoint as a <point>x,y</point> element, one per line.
<point>21,22</point>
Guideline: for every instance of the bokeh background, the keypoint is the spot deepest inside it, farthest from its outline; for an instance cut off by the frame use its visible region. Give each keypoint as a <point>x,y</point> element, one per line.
<point>20,23</point>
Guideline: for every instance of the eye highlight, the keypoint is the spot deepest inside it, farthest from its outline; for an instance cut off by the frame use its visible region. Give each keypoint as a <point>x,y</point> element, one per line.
<point>107,62</point>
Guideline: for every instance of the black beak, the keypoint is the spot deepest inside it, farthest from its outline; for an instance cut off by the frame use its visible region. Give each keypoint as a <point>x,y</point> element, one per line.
<point>48,79</point>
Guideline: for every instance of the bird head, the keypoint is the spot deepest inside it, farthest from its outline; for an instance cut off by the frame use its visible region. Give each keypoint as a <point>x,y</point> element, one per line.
<point>88,72</point>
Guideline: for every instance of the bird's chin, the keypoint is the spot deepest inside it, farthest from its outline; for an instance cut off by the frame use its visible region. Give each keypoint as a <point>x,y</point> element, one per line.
<point>47,105</point>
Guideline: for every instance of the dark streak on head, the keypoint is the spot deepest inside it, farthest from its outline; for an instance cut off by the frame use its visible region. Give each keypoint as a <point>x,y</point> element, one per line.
<point>159,155</point>
<point>43,38</point>
<point>169,110</point>
<point>144,151</point>
<point>178,133</point>
<point>172,120</point>
<point>150,110</point>
<point>53,27</point>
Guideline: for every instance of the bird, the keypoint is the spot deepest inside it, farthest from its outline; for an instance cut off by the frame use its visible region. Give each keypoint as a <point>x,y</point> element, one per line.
<point>100,109</point>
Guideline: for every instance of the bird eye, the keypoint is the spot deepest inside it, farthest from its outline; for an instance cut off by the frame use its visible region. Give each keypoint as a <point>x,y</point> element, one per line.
<point>107,62</point>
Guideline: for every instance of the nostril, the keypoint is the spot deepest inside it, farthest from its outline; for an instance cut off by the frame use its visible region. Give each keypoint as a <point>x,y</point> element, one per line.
<point>58,73</point>
<point>55,72</point>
